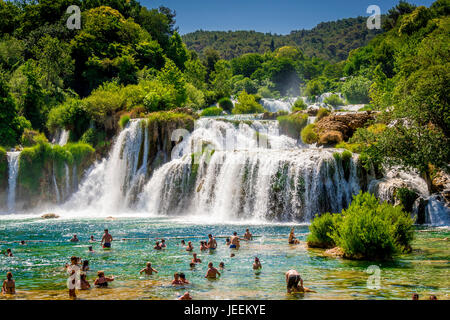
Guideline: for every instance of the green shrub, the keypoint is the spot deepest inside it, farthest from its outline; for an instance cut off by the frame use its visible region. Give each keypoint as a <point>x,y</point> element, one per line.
<point>247,104</point>
<point>373,230</point>
<point>334,100</point>
<point>82,153</point>
<point>70,115</point>
<point>299,105</point>
<point>309,135</point>
<point>407,198</point>
<point>321,229</point>
<point>178,119</point>
<point>3,168</point>
<point>212,111</point>
<point>226,104</point>
<point>93,137</point>
<point>124,119</point>
<point>31,137</point>
<point>292,124</point>
<point>322,113</point>
<point>356,90</point>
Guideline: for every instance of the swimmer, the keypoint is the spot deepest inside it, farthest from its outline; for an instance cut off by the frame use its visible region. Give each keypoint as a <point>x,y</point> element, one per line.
<point>195,259</point>
<point>232,255</point>
<point>192,265</point>
<point>227,241</point>
<point>433,297</point>
<point>9,285</point>
<point>74,238</point>
<point>183,278</point>
<point>415,296</point>
<point>221,265</point>
<point>163,243</point>
<point>85,266</point>
<point>148,269</point>
<point>292,280</point>
<point>92,239</point>
<point>292,239</point>
<point>157,246</point>
<point>176,279</point>
<point>234,241</point>
<point>203,246</point>
<point>22,242</point>
<point>189,246</point>
<point>212,272</point>
<point>90,249</point>
<point>248,236</point>
<point>183,243</point>
<point>84,284</point>
<point>212,243</point>
<point>106,239</point>
<point>185,296</point>
<point>102,281</point>
<point>257,264</point>
<point>8,253</point>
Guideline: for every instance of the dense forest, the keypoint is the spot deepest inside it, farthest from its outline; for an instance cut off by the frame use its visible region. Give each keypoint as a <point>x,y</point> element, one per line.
<point>331,41</point>
<point>127,61</point>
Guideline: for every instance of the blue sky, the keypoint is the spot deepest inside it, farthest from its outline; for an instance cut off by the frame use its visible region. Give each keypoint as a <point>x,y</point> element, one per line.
<point>276,16</point>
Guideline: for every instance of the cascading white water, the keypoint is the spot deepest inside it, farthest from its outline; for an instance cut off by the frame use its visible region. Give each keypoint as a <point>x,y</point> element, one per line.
<point>275,105</point>
<point>62,137</point>
<point>13,171</point>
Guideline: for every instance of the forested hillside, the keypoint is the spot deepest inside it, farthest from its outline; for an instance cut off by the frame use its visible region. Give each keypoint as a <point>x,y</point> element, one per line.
<point>328,40</point>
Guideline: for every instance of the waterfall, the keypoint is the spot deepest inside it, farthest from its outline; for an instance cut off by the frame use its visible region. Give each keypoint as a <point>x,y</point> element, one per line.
<point>436,212</point>
<point>13,171</point>
<point>62,137</point>
<point>275,105</point>
<point>55,185</point>
<point>67,180</point>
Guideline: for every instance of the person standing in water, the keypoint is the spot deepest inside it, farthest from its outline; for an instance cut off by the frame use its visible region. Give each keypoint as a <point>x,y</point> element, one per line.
<point>8,253</point>
<point>74,271</point>
<point>102,281</point>
<point>84,284</point>
<point>212,243</point>
<point>9,285</point>
<point>292,239</point>
<point>74,239</point>
<point>257,264</point>
<point>234,241</point>
<point>195,259</point>
<point>148,269</point>
<point>247,235</point>
<point>189,246</point>
<point>185,296</point>
<point>106,239</point>
<point>92,239</point>
<point>292,280</point>
<point>212,272</point>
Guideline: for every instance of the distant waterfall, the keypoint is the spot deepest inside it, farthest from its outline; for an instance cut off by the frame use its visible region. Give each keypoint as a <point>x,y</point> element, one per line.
<point>13,171</point>
<point>62,137</point>
<point>275,105</point>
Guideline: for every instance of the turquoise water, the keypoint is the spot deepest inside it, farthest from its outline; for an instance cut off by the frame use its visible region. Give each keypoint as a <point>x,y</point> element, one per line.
<point>38,266</point>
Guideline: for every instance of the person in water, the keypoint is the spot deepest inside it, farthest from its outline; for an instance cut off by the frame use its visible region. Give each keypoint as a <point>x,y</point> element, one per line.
<point>212,272</point>
<point>163,243</point>
<point>90,249</point>
<point>92,239</point>
<point>192,265</point>
<point>22,242</point>
<point>157,246</point>
<point>85,266</point>
<point>292,280</point>
<point>433,297</point>
<point>247,235</point>
<point>415,296</point>
<point>195,259</point>
<point>189,246</point>
<point>292,239</point>
<point>227,241</point>
<point>212,243</point>
<point>185,296</point>
<point>73,269</point>
<point>203,246</point>
<point>106,239</point>
<point>176,279</point>
<point>257,264</point>
<point>8,253</point>
<point>234,241</point>
<point>183,243</point>
<point>9,285</point>
<point>84,284</point>
<point>148,269</point>
<point>221,266</point>
<point>74,238</point>
<point>102,281</point>
<point>183,278</point>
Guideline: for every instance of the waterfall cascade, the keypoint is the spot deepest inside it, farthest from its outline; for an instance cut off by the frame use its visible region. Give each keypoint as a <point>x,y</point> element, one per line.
<point>13,171</point>
<point>275,105</point>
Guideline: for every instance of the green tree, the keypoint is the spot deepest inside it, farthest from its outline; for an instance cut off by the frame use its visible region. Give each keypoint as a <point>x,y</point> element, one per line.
<point>171,75</point>
<point>177,51</point>
<point>247,104</point>
<point>221,79</point>
<point>34,102</point>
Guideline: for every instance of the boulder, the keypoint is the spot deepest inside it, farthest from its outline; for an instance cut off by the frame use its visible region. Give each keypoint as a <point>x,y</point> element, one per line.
<point>50,216</point>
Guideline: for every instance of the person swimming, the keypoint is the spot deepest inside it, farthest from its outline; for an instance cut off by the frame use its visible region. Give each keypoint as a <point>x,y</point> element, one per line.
<point>22,242</point>
<point>192,265</point>
<point>185,296</point>
<point>203,246</point>
<point>433,297</point>
<point>92,239</point>
<point>415,296</point>
<point>74,238</point>
<point>212,272</point>
<point>189,247</point>
<point>292,239</point>
<point>8,253</point>
<point>176,279</point>
<point>102,281</point>
<point>157,246</point>
<point>163,243</point>
<point>234,241</point>
<point>183,278</point>
<point>212,243</point>
<point>195,259</point>
<point>148,269</point>
<point>9,285</point>
<point>90,249</point>
<point>292,280</point>
<point>222,265</point>
<point>183,243</point>
<point>106,239</point>
<point>247,235</point>
<point>85,266</point>
<point>84,284</point>
<point>257,264</point>
<point>227,241</point>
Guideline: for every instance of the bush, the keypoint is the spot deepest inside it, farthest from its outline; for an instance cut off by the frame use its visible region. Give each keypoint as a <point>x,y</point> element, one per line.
<point>370,230</point>
<point>334,101</point>
<point>407,198</point>
<point>226,104</point>
<point>321,230</point>
<point>179,120</point>
<point>3,169</point>
<point>124,119</point>
<point>331,138</point>
<point>247,104</point>
<point>70,115</point>
<point>212,111</point>
<point>356,90</point>
<point>31,137</point>
<point>322,113</point>
<point>299,105</point>
<point>309,135</point>
<point>195,97</point>
<point>291,125</point>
